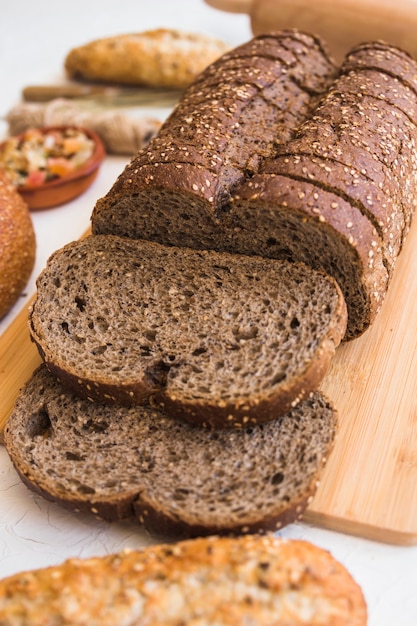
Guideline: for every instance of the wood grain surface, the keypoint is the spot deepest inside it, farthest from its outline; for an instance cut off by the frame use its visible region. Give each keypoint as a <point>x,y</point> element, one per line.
<point>370,484</point>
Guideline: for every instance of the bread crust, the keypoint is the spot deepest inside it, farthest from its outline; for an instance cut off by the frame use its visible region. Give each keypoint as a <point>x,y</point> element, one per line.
<point>215,581</point>
<point>17,244</point>
<point>158,58</point>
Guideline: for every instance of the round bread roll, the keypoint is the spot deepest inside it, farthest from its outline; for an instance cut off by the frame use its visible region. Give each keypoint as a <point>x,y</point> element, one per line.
<point>17,244</point>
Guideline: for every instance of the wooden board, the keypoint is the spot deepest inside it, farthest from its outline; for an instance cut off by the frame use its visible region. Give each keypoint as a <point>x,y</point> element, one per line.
<point>370,484</point>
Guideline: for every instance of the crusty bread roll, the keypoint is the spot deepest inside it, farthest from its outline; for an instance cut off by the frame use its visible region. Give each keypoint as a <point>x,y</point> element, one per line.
<point>229,582</point>
<point>157,58</point>
<point>17,244</point>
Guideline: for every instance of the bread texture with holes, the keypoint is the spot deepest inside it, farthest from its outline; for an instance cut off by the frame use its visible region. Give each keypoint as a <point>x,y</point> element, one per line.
<point>218,339</point>
<point>175,478</point>
<point>224,581</point>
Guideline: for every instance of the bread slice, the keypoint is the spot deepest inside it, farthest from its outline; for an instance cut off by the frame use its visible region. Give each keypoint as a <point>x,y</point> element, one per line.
<point>218,339</point>
<point>300,221</point>
<point>233,116</point>
<point>222,581</point>
<point>161,57</point>
<point>175,478</point>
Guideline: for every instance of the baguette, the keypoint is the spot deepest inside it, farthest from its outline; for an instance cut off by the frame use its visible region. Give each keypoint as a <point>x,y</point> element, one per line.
<point>218,339</point>
<point>229,582</point>
<point>173,478</point>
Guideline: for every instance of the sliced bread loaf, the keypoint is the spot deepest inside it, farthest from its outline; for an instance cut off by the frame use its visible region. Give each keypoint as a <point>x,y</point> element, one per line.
<point>222,581</point>
<point>218,339</point>
<point>175,478</point>
<point>233,116</point>
<point>358,150</point>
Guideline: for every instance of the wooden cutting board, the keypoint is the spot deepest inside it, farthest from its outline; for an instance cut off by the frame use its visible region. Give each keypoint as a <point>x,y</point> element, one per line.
<point>370,484</point>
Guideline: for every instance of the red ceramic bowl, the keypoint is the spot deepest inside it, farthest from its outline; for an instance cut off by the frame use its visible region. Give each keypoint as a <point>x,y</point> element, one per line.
<point>67,187</point>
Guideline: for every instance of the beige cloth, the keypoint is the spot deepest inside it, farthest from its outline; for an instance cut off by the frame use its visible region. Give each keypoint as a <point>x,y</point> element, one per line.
<point>119,132</point>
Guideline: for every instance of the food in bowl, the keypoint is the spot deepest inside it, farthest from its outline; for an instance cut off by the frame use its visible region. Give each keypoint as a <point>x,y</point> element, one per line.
<point>52,165</point>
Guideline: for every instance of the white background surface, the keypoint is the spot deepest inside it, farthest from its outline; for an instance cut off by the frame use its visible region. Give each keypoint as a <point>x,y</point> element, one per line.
<point>34,39</point>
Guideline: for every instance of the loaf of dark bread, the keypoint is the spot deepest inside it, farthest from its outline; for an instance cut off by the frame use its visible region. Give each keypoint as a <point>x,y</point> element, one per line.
<point>223,581</point>
<point>233,116</point>
<point>219,339</point>
<point>174,478</point>
<point>161,57</point>
<point>337,190</point>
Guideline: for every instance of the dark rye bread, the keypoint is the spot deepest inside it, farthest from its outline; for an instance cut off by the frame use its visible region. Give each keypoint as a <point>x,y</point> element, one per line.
<point>337,190</point>
<point>371,136</point>
<point>233,116</point>
<point>218,339</point>
<point>299,221</point>
<point>356,149</point>
<point>356,188</point>
<point>174,478</point>
<point>213,581</point>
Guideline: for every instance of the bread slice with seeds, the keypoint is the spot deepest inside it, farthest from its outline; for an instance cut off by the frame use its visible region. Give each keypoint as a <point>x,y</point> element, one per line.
<point>299,221</point>
<point>175,478</point>
<point>376,198</point>
<point>214,580</point>
<point>219,339</point>
<point>348,211</point>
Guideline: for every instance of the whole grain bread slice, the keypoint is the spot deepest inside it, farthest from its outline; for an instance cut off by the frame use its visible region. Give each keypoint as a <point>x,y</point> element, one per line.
<point>218,339</point>
<point>302,222</point>
<point>222,581</point>
<point>175,478</point>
